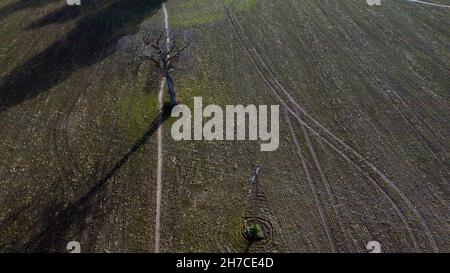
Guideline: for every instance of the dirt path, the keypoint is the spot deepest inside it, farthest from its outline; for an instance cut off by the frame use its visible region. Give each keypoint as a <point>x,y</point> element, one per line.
<point>160,156</point>
<point>159,176</point>
<point>429,3</point>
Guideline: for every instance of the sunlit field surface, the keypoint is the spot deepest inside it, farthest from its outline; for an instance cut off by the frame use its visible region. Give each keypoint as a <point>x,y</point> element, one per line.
<point>364,127</point>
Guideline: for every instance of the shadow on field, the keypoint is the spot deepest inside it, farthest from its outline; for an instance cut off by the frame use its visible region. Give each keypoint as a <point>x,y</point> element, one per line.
<point>9,9</point>
<point>62,15</point>
<point>89,42</point>
<point>68,13</point>
<point>61,220</point>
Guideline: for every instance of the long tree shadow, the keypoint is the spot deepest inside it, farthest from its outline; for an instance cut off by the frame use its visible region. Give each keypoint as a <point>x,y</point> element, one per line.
<point>92,40</point>
<point>62,15</point>
<point>60,220</point>
<point>13,7</point>
<point>68,13</point>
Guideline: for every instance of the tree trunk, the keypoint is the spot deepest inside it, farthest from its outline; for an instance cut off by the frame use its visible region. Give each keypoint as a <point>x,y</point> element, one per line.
<point>172,94</point>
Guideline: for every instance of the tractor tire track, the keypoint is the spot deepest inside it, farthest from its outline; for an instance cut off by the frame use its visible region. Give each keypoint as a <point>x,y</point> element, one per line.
<point>274,83</point>
<point>403,107</point>
<point>389,183</point>
<point>324,180</point>
<point>319,205</point>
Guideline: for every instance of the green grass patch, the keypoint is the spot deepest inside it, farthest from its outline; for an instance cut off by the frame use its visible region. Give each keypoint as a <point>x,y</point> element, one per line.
<point>140,106</point>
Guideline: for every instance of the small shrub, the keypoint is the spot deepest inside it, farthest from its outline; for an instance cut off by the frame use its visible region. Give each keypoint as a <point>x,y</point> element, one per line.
<point>253,233</point>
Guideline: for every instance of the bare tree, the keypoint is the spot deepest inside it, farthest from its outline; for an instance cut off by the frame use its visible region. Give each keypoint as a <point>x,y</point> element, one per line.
<point>164,56</point>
